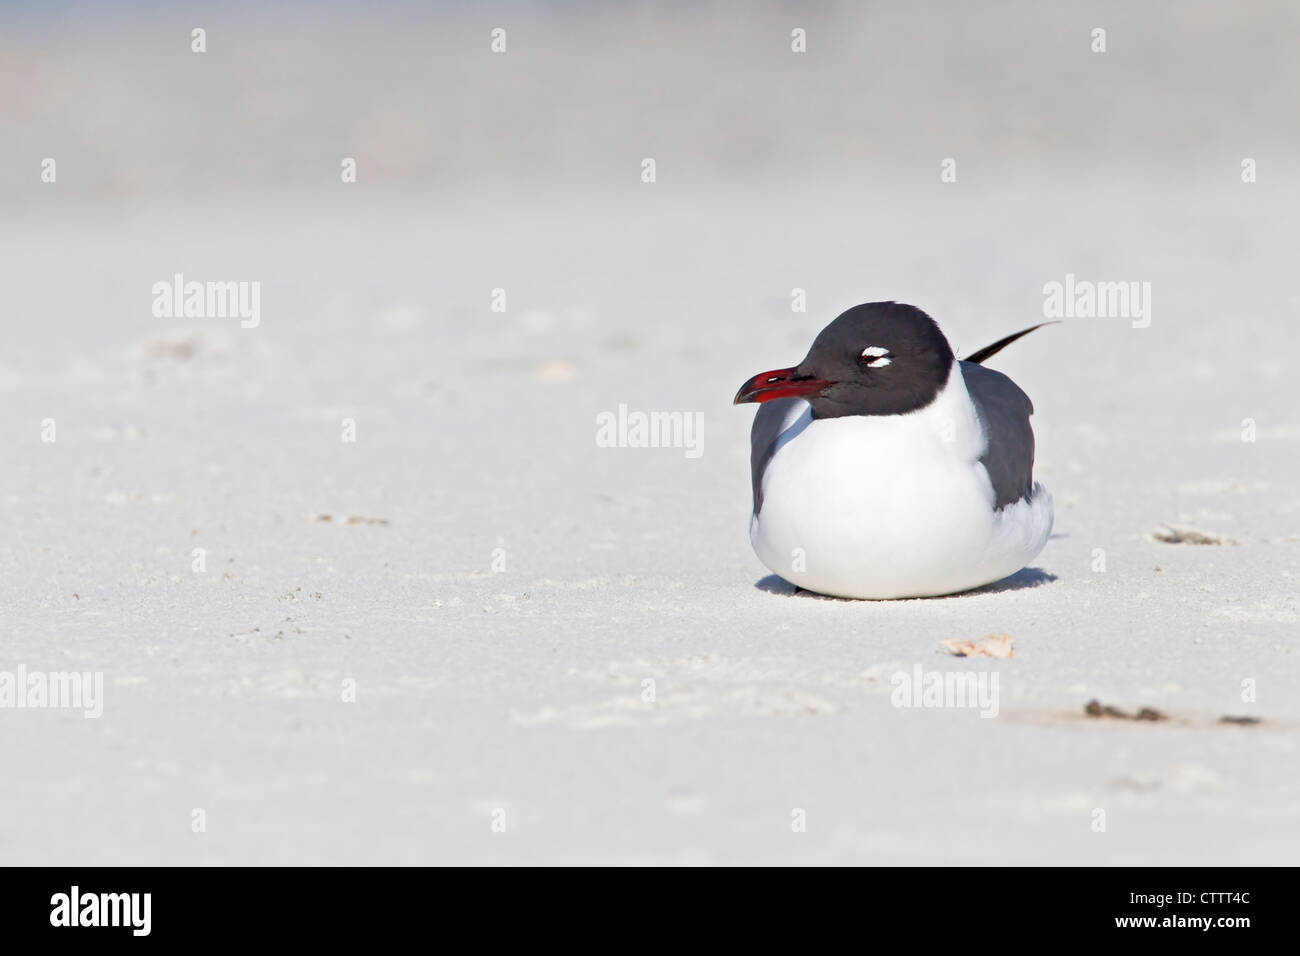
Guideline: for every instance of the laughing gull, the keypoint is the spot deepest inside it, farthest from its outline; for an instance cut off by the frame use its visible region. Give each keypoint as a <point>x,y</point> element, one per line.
<point>884,467</point>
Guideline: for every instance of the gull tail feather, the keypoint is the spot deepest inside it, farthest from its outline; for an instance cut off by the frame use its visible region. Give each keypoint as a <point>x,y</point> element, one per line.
<point>991,350</point>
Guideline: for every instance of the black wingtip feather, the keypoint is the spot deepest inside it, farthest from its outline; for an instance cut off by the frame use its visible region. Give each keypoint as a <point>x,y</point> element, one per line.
<point>991,350</point>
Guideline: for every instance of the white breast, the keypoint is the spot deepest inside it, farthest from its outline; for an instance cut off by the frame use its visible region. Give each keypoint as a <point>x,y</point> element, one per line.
<point>890,506</point>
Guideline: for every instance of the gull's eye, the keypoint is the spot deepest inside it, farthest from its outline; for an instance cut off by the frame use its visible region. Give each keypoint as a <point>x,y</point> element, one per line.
<point>873,356</point>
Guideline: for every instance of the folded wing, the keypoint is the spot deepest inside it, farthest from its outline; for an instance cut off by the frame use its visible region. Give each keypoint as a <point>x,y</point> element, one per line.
<point>1004,412</point>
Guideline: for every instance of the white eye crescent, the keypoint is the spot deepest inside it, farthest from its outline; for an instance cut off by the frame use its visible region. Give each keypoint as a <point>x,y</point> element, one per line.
<point>875,357</point>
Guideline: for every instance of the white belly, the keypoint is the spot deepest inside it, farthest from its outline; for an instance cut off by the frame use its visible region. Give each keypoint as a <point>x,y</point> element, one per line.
<point>892,506</point>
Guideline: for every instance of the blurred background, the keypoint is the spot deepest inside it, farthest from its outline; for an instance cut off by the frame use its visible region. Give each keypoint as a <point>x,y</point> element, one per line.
<point>499,587</point>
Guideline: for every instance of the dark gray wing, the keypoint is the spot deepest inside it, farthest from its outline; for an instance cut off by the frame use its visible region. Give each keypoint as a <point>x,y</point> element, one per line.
<point>1004,412</point>
<point>775,424</point>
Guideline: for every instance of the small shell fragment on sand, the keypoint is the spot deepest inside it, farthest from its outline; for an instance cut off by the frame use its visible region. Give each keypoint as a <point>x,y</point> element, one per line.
<point>1168,534</point>
<point>1095,708</point>
<point>990,645</point>
<point>353,520</point>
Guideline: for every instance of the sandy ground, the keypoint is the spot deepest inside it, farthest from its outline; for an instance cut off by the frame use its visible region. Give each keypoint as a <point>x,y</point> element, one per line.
<point>500,588</point>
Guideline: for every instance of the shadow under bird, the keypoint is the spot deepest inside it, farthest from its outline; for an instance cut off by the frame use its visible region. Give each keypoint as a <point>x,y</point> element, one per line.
<point>885,467</point>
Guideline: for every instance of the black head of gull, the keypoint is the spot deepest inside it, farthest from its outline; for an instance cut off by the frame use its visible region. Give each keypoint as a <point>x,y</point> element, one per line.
<point>881,358</point>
